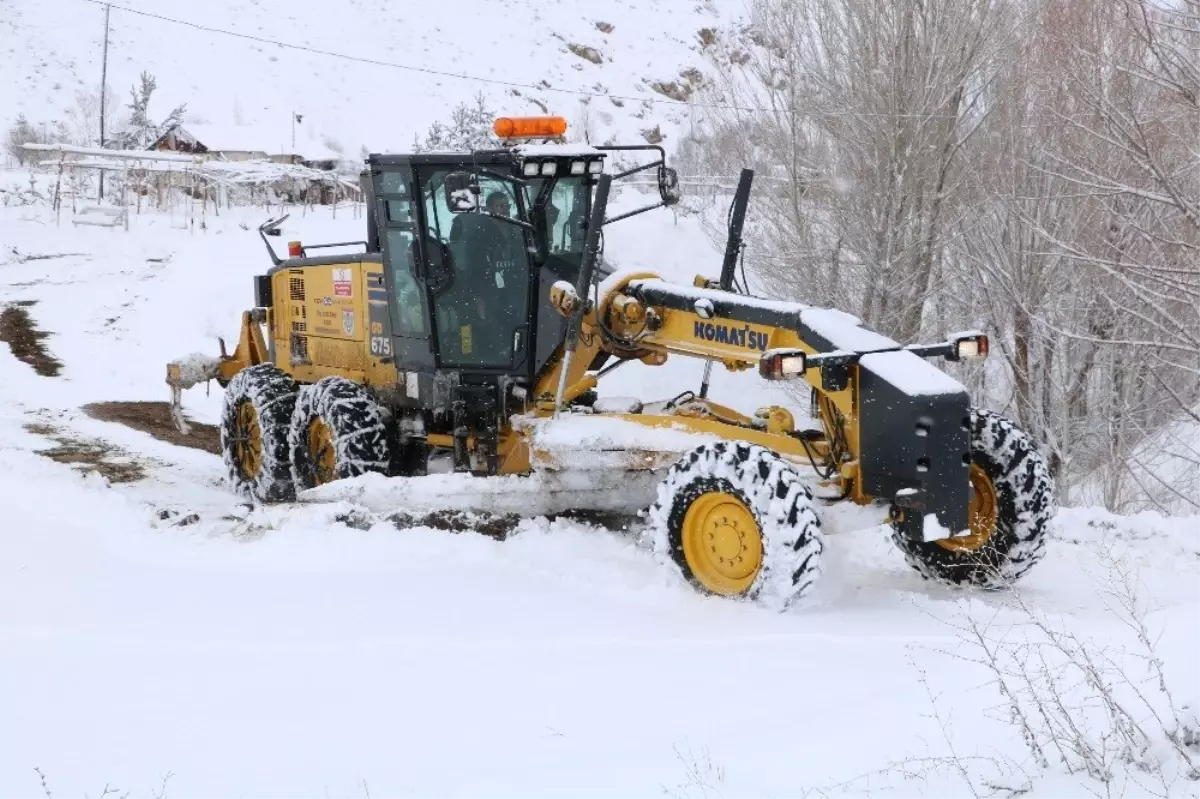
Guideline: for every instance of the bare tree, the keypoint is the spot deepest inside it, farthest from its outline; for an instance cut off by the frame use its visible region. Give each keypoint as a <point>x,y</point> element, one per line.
<point>1134,73</point>
<point>82,121</point>
<point>868,107</point>
<point>1009,276</point>
<point>1031,168</point>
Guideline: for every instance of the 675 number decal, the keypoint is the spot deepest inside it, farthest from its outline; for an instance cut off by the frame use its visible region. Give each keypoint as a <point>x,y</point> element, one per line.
<point>381,345</point>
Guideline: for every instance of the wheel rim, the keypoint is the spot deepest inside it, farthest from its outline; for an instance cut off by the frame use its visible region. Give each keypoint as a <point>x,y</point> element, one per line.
<point>981,513</point>
<point>322,452</point>
<point>722,543</point>
<point>247,444</point>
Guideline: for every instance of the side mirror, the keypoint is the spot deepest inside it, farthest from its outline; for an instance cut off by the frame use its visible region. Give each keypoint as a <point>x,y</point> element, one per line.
<point>271,226</point>
<point>462,192</point>
<point>668,185</point>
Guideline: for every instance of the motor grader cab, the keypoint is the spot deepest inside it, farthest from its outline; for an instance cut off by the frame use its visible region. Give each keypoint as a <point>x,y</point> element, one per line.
<point>469,307</point>
<point>476,339</point>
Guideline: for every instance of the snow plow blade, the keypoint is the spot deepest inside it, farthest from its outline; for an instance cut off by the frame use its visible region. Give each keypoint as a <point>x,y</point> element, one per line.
<point>580,462</point>
<point>537,494</point>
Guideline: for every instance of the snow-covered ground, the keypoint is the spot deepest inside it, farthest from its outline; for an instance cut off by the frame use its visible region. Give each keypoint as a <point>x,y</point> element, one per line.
<point>309,651</point>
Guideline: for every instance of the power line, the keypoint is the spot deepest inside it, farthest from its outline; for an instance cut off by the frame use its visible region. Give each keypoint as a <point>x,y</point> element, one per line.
<point>498,81</point>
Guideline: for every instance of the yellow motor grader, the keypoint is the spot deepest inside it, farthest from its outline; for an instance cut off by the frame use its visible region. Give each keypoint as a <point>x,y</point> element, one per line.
<point>475,324</point>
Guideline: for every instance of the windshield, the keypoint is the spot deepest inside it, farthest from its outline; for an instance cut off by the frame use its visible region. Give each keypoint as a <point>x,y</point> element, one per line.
<point>566,213</point>
<point>480,275</point>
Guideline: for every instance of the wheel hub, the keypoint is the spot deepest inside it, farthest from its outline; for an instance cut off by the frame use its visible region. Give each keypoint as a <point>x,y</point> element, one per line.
<point>981,513</point>
<point>722,543</point>
<point>247,443</point>
<point>322,452</point>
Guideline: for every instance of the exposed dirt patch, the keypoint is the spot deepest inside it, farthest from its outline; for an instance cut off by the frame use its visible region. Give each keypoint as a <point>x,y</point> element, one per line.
<point>25,340</point>
<point>669,88</point>
<point>179,520</point>
<point>653,135</point>
<point>493,525</point>
<point>88,455</point>
<point>693,76</point>
<point>616,521</point>
<point>155,418</point>
<point>586,53</point>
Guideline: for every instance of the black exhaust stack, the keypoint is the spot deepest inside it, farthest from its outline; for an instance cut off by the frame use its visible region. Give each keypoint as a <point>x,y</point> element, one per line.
<point>733,247</point>
<point>737,218</point>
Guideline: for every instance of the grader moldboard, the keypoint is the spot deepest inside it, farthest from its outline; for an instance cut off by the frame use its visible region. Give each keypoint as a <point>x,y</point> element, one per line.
<point>467,335</point>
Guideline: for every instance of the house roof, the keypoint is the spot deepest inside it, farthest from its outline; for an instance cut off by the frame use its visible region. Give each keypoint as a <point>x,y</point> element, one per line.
<point>254,139</point>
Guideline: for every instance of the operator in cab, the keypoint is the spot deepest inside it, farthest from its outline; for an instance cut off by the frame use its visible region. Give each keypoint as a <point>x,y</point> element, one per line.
<point>500,301</point>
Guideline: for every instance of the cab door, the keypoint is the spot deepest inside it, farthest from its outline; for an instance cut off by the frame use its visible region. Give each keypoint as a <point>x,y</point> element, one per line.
<point>477,275</point>
<point>399,310</point>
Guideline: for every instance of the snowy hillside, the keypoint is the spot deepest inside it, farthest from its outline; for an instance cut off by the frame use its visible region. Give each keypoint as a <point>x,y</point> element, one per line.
<point>540,54</point>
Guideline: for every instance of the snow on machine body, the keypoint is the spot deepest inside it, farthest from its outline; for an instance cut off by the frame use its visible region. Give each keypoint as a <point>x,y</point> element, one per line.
<point>475,334</point>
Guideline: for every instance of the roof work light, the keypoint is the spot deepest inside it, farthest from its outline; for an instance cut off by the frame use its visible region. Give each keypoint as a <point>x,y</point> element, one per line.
<point>529,127</point>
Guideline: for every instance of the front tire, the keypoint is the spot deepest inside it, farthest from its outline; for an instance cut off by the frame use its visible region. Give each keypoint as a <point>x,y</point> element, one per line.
<point>1012,500</point>
<point>737,521</point>
<point>337,430</point>
<point>254,433</point>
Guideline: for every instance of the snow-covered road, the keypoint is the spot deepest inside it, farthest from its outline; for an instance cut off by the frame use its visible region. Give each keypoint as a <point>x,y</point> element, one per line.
<point>282,652</point>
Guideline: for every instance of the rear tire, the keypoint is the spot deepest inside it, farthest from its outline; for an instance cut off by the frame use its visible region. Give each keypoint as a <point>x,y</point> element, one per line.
<point>1012,485</point>
<point>254,433</point>
<point>337,430</point>
<point>737,521</point>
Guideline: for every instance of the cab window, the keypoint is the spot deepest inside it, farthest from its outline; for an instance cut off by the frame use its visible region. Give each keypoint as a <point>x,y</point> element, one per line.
<point>478,276</point>
<point>408,305</point>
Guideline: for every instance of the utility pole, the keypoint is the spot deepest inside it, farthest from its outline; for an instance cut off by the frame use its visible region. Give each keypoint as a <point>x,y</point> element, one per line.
<point>103,89</point>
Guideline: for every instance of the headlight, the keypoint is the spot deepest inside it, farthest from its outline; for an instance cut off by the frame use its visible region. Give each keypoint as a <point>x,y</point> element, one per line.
<point>549,168</point>
<point>782,364</point>
<point>578,167</point>
<point>531,169</point>
<point>596,167</point>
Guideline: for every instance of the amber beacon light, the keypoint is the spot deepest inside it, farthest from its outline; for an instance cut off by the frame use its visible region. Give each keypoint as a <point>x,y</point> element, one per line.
<point>529,127</point>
